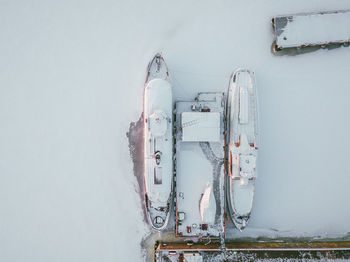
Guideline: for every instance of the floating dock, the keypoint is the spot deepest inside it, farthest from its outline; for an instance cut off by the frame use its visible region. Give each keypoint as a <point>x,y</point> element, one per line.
<point>311,29</point>
<point>236,251</point>
<point>199,132</point>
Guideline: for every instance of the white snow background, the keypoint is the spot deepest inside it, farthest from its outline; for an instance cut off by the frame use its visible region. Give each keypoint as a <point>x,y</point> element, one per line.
<point>71,81</point>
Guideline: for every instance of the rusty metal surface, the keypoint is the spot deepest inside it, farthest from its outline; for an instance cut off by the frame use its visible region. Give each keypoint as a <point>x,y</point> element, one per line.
<point>213,246</point>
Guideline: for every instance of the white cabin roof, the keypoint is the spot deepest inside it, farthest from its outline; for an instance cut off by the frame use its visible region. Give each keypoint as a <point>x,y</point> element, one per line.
<point>200,126</point>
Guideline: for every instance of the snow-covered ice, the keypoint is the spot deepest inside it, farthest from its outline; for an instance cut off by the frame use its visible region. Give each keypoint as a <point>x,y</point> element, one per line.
<point>71,81</point>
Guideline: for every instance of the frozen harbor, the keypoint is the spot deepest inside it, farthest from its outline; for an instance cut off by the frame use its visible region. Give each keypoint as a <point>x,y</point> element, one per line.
<point>71,80</point>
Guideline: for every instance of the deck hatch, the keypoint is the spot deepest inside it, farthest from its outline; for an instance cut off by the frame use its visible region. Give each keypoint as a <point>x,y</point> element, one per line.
<point>157,175</point>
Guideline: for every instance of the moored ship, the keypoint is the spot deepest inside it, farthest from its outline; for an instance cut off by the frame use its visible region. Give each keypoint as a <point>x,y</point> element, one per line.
<point>241,146</point>
<point>158,143</point>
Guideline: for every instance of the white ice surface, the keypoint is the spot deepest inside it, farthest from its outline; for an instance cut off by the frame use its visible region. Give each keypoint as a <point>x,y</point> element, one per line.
<point>71,81</point>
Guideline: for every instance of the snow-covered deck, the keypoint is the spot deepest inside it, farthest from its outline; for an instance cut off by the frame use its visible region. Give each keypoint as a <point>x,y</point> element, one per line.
<point>174,256</point>
<point>312,29</point>
<point>199,167</point>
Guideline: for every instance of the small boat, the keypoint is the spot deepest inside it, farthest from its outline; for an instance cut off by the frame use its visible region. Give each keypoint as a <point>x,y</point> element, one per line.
<point>241,146</point>
<point>158,146</point>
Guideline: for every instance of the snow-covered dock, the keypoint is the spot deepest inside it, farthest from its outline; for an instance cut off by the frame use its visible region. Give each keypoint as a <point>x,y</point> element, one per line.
<point>199,166</point>
<point>236,251</point>
<point>311,29</point>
